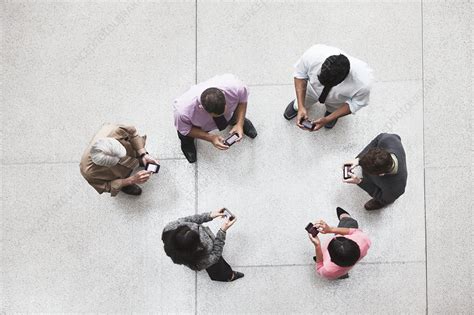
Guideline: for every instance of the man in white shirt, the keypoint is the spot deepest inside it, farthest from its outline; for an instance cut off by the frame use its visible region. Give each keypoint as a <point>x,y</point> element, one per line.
<point>339,81</point>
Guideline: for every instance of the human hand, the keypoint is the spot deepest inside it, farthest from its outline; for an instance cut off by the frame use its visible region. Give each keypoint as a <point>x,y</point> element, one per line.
<point>140,177</point>
<point>149,159</point>
<point>319,123</point>
<point>353,180</point>
<point>322,227</point>
<point>314,239</point>
<point>302,115</point>
<point>218,142</point>
<point>354,163</point>
<point>228,223</point>
<point>217,213</point>
<point>239,130</point>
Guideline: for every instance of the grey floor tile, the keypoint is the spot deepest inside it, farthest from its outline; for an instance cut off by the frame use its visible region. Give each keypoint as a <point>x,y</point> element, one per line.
<point>297,289</point>
<point>286,177</point>
<point>261,40</point>
<point>70,67</point>
<point>448,229</point>
<point>447,60</point>
<point>67,249</point>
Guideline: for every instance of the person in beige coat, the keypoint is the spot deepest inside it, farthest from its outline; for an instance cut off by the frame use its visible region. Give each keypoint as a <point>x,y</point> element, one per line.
<point>111,157</point>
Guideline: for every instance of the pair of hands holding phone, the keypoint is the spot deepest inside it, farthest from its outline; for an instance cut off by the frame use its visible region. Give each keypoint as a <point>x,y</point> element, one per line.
<point>353,179</point>
<point>219,142</point>
<point>143,176</point>
<point>222,213</point>
<point>323,228</point>
<point>317,124</point>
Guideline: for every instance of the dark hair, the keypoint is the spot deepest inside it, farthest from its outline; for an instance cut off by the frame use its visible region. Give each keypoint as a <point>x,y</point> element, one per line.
<point>183,245</point>
<point>376,161</point>
<point>334,70</point>
<point>343,251</point>
<point>213,101</point>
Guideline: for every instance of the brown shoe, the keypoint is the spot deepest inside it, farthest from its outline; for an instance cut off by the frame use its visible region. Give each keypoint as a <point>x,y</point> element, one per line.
<point>373,204</point>
<point>134,190</point>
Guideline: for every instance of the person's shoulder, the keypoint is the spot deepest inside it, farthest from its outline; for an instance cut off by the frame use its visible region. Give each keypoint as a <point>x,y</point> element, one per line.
<point>362,74</point>
<point>184,105</point>
<point>319,53</point>
<point>390,138</point>
<point>358,231</point>
<point>230,84</point>
<point>359,236</point>
<point>123,131</point>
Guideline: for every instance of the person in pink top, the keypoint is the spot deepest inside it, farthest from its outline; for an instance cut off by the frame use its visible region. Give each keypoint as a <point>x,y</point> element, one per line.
<point>214,104</point>
<point>335,258</point>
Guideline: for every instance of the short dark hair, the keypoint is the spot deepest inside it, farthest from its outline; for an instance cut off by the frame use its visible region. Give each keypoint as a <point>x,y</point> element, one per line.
<point>334,70</point>
<point>213,101</point>
<point>344,252</point>
<point>376,161</point>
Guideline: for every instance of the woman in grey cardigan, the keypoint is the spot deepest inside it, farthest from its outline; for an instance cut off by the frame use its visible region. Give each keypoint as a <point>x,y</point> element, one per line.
<point>189,243</point>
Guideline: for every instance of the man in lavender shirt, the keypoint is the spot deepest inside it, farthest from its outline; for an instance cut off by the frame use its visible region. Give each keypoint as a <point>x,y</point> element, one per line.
<point>213,104</point>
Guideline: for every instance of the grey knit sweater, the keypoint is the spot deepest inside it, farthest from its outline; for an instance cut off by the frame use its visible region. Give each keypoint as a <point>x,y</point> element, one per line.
<point>386,189</point>
<point>213,245</point>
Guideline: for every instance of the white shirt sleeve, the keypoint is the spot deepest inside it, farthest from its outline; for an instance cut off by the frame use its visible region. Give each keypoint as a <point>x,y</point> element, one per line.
<point>301,69</point>
<point>359,100</point>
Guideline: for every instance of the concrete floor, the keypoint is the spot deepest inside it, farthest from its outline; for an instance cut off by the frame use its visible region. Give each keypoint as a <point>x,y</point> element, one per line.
<point>70,66</point>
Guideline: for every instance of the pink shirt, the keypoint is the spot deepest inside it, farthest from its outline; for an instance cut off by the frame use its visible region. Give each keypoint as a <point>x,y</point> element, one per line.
<point>188,111</point>
<point>330,270</point>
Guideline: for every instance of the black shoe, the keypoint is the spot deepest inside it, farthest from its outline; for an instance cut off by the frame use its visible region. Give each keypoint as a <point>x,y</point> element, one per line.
<point>340,211</point>
<point>237,275</point>
<point>189,151</point>
<point>133,190</point>
<point>249,129</point>
<point>343,277</point>
<point>290,111</point>
<point>330,124</point>
<point>314,258</point>
<point>373,204</point>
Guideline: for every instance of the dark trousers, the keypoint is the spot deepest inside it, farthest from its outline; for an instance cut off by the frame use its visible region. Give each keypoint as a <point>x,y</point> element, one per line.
<point>220,271</point>
<point>348,223</point>
<point>370,188</point>
<point>186,140</point>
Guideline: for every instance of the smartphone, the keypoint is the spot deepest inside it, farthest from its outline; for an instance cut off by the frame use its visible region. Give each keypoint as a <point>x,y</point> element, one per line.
<point>228,214</point>
<point>310,228</point>
<point>346,171</point>
<point>308,124</point>
<point>231,139</point>
<point>152,167</point>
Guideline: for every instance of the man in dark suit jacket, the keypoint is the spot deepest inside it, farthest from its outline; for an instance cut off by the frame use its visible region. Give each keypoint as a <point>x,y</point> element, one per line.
<point>384,170</point>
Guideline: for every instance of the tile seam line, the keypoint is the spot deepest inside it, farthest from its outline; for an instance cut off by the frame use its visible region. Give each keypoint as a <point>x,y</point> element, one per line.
<point>196,201</point>
<point>312,264</point>
<point>291,84</point>
<point>75,162</point>
<point>424,160</point>
<point>184,159</point>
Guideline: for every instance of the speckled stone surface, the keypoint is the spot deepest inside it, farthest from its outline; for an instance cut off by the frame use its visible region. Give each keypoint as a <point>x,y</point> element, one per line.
<point>448,219</point>
<point>69,67</point>
<point>447,54</point>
